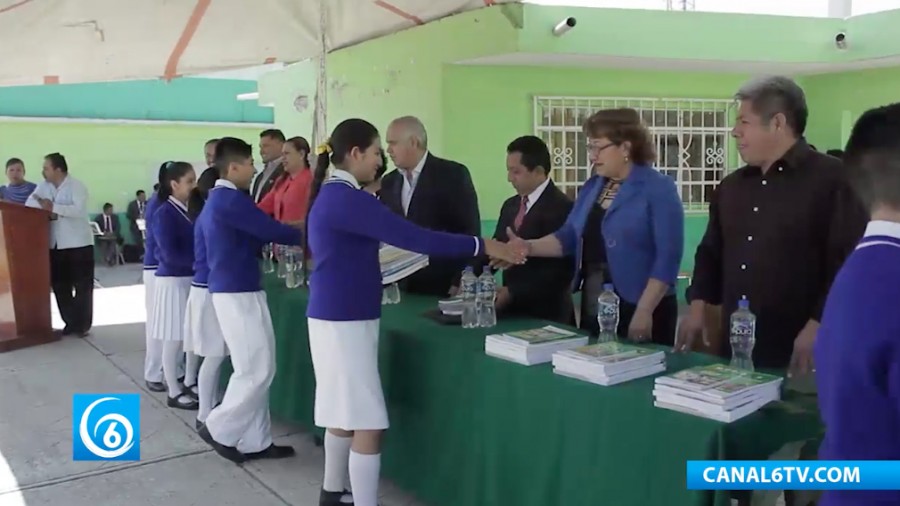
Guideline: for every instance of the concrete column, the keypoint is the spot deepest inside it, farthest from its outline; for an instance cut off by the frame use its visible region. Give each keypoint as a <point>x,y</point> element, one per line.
<point>839,8</point>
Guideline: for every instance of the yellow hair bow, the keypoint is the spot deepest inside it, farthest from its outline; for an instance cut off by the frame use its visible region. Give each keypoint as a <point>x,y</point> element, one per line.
<point>323,148</point>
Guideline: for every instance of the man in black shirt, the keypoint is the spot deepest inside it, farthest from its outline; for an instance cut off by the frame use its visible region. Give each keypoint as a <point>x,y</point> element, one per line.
<point>779,229</point>
<point>206,180</point>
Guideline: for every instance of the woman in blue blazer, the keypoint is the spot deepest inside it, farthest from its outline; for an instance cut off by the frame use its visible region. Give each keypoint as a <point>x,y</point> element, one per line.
<point>628,218</point>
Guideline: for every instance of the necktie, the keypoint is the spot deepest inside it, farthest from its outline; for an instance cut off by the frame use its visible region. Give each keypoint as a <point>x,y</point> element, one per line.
<point>108,224</point>
<point>520,216</point>
<point>409,177</point>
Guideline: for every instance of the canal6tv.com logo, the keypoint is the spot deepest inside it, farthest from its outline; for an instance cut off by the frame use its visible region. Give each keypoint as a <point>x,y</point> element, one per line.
<point>106,427</point>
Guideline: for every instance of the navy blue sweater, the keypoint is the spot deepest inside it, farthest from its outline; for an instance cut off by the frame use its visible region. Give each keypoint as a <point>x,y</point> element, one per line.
<point>201,268</point>
<point>150,262</point>
<point>857,357</point>
<point>235,230</point>
<point>346,229</point>
<point>174,235</point>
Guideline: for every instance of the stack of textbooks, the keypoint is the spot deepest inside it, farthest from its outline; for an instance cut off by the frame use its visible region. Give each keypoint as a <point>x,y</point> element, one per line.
<point>535,346</point>
<point>397,263</point>
<point>609,363</point>
<point>451,307</point>
<point>718,392</point>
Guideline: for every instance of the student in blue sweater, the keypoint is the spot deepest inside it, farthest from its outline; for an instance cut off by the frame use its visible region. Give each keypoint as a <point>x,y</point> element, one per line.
<point>235,230</point>
<point>345,229</point>
<point>202,335</point>
<point>173,234</point>
<point>857,349</point>
<point>153,367</point>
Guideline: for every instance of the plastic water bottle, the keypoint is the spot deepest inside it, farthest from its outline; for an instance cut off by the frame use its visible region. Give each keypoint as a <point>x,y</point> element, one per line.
<point>487,294</point>
<point>608,313</point>
<point>267,264</point>
<point>743,336</point>
<point>468,286</point>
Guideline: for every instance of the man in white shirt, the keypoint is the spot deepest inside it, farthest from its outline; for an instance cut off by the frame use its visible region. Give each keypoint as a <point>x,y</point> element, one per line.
<point>71,243</point>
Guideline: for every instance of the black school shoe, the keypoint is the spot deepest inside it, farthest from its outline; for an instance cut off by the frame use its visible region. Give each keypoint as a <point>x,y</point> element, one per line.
<point>155,386</point>
<point>272,452</point>
<point>229,452</point>
<point>327,498</point>
<point>183,401</point>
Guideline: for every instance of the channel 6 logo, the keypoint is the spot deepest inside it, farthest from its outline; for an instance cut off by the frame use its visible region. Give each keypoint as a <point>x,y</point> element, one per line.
<point>106,427</point>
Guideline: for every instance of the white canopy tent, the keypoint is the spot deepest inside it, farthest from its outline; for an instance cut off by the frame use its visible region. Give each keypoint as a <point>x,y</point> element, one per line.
<point>73,41</point>
<point>70,41</point>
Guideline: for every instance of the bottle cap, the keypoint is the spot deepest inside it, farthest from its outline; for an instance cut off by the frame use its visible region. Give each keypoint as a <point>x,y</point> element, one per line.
<point>608,286</point>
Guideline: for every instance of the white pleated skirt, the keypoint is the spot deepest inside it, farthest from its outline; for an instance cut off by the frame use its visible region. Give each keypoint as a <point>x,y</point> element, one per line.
<point>169,306</point>
<point>348,386</point>
<point>202,334</point>
<point>149,298</point>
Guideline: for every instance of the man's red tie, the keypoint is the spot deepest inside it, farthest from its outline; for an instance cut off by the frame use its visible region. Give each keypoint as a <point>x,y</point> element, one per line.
<point>520,216</point>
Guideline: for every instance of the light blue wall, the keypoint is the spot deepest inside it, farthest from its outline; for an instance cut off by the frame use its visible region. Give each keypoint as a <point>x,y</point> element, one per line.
<point>189,99</point>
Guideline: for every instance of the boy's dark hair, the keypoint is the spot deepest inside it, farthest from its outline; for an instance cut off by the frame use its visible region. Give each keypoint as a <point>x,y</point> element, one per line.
<point>14,161</point>
<point>872,157</point>
<point>231,150</point>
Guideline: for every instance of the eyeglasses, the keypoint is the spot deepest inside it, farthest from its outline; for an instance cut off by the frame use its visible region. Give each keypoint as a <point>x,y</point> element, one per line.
<point>595,149</point>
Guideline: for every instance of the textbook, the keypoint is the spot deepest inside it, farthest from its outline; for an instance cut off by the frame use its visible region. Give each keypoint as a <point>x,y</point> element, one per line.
<point>533,346</point>
<point>608,363</point>
<point>397,264</point>
<point>719,391</point>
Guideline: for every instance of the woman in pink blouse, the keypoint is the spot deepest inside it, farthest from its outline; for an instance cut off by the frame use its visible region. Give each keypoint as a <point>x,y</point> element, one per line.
<point>288,200</point>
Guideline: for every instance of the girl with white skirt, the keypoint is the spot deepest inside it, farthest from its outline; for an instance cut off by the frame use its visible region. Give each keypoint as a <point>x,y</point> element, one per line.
<point>153,369</point>
<point>345,229</point>
<point>202,334</point>
<point>173,233</point>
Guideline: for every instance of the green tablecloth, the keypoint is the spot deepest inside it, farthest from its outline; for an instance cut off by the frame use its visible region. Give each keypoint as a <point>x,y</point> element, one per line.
<point>471,430</point>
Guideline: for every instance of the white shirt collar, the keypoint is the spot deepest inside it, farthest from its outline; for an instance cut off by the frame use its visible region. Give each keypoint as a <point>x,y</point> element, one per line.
<point>225,184</point>
<point>345,176</point>
<point>181,205</point>
<point>536,194</point>
<point>883,228</point>
<point>419,166</point>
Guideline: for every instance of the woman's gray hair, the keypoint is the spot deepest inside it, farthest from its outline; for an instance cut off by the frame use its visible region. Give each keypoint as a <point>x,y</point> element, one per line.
<point>772,95</point>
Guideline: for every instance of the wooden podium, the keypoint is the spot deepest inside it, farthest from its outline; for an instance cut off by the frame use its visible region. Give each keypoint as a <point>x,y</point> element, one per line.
<point>24,277</point>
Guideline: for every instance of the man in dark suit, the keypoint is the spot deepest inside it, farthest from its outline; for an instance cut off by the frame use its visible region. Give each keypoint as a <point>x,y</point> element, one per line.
<point>432,192</point>
<point>271,143</point>
<point>111,239</point>
<point>135,212</point>
<point>540,288</point>
<point>206,180</point>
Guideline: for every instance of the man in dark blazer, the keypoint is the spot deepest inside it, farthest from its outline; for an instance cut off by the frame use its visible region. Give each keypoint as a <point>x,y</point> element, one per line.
<point>541,288</point>
<point>205,182</point>
<point>432,192</point>
<point>270,144</point>
<point>111,237</point>
<point>135,212</point>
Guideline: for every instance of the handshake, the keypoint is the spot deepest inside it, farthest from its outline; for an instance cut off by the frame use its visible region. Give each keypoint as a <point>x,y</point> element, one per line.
<point>504,255</point>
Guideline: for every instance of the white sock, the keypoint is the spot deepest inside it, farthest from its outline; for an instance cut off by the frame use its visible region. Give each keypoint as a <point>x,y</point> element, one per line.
<point>208,385</point>
<point>337,457</point>
<point>364,473</point>
<point>171,352</point>
<point>191,366</point>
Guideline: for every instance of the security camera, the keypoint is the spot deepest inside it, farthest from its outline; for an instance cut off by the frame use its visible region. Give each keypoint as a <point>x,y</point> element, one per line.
<point>840,40</point>
<point>564,26</point>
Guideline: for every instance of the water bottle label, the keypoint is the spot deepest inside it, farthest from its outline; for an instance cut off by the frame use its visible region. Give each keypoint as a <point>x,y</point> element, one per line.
<point>742,328</point>
<point>608,309</point>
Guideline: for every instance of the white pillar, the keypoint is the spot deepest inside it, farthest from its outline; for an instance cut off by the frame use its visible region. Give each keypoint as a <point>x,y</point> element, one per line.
<point>840,8</point>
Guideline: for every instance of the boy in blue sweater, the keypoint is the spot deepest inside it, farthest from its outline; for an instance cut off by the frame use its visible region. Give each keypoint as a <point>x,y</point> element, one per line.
<point>857,351</point>
<point>346,227</point>
<point>235,230</point>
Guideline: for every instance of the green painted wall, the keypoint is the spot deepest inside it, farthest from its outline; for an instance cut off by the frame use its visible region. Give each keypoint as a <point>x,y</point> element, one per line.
<point>113,159</point>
